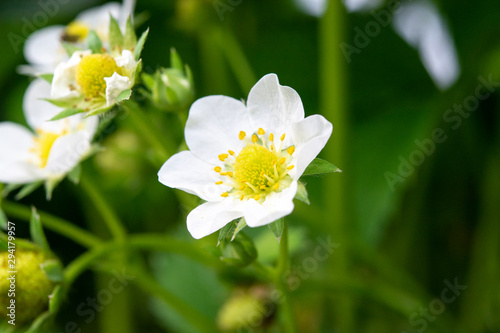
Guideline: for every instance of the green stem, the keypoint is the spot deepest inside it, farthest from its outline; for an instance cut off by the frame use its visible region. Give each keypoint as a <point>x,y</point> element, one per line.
<point>53,223</point>
<point>192,315</point>
<point>332,101</point>
<point>108,215</point>
<point>287,316</point>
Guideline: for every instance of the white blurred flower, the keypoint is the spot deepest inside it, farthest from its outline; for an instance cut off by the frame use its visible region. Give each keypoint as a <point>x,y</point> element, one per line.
<point>245,160</point>
<point>43,49</point>
<point>54,148</point>
<point>95,80</point>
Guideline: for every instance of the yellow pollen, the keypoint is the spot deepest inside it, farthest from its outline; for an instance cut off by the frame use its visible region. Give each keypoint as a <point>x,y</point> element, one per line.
<point>290,167</point>
<point>242,187</point>
<point>282,137</point>
<point>43,144</point>
<point>252,164</point>
<point>254,138</point>
<point>271,137</point>
<point>257,197</point>
<point>223,173</point>
<point>230,152</point>
<point>230,174</point>
<point>92,70</point>
<point>241,198</point>
<point>225,194</point>
<point>263,187</point>
<point>242,135</point>
<point>276,186</point>
<point>282,160</point>
<point>261,131</point>
<point>219,182</point>
<point>290,150</point>
<point>76,31</point>
<point>217,169</point>
<point>222,157</point>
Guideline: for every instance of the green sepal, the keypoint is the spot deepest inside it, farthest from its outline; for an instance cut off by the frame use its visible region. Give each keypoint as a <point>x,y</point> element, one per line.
<point>3,220</point>
<point>65,103</point>
<point>130,38</point>
<point>9,188</point>
<point>28,189</point>
<point>70,48</point>
<point>36,231</point>
<point>56,299</point>
<point>98,111</point>
<point>124,95</point>
<point>319,166</point>
<point>115,34</point>
<point>67,113</point>
<point>226,231</point>
<point>240,252</point>
<point>140,44</point>
<point>240,226</point>
<point>277,228</point>
<point>47,77</point>
<point>302,194</point>
<point>53,269</point>
<point>175,60</point>
<point>94,42</point>
<point>50,185</point>
<point>74,174</point>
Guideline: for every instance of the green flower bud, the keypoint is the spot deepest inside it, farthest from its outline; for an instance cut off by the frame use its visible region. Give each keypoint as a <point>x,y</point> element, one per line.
<point>242,310</point>
<point>32,286</point>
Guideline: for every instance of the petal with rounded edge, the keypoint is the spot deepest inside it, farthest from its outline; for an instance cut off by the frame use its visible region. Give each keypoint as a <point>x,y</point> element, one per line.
<point>274,106</point>
<point>276,206</point>
<point>186,172</point>
<point>310,137</point>
<point>114,86</point>
<point>37,111</point>
<point>43,48</point>
<point>66,152</point>
<point>211,216</point>
<point>64,80</point>
<point>213,126</point>
<point>97,18</point>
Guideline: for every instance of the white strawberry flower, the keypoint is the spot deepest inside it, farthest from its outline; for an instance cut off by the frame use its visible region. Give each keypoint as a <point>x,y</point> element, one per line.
<point>245,160</point>
<point>93,81</point>
<point>53,148</point>
<point>43,49</point>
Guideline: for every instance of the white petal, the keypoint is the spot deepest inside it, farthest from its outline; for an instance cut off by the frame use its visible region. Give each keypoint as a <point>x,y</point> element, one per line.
<point>211,216</point>
<point>38,111</point>
<point>213,126</point>
<point>274,106</point>
<point>66,153</point>
<point>97,18</point>
<point>15,144</point>
<point>43,48</point>
<point>114,86</point>
<point>186,172</point>
<point>276,206</point>
<point>309,136</point>
<point>126,11</point>
<point>126,61</point>
<point>64,77</point>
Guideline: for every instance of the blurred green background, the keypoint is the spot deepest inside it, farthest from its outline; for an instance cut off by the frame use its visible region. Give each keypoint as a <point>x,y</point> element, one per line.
<point>400,235</point>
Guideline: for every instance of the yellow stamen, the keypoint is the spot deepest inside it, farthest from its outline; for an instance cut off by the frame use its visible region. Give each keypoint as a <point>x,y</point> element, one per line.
<point>217,169</point>
<point>224,195</point>
<point>263,187</point>
<point>282,137</point>
<point>219,182</point>
<point>230,174</point>
<point>271,137</point>
<point>241,198</point>
<point>290,150</point>
<point>257,197</point>
<point>222,157</point>
<point>276,186</point>
<point>230,152</point>
<point>261,131</point>
<point>254,138</point>
<point>242,135</point>
<point>92,70</point>
<point>290,167</point>
<point>282,160</point>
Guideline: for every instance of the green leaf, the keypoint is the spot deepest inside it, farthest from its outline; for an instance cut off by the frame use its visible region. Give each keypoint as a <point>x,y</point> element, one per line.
<point>302,194</point>
<point>277,228</point>
<point>3,242</point>
<point>240,226</point>
<point>70,48</point>
<point>140,44</point>
<point>47,77</point>
<point>130,39</point>
<point>124,95</point>
<point>319,166</point>
<point>74,174</point>
<point>9,188</point>
<point>41,323</point>
<point>3,220</point>
<point>50,185</point>
<point>27,190</point>
<point>53,269</point>
<point>175,60</point>
<point>115,34</point>
<point>225,231</point>
<point>56,299</point>
<point>94,42</point>
<point>36,231</point>
<point>67,113</point>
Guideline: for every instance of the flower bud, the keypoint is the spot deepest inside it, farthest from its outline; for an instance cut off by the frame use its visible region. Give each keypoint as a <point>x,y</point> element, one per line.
<point>29,286</point>
<point>242,310</point>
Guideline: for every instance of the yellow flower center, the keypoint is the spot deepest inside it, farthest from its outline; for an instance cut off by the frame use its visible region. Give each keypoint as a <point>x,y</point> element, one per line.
<point>75,31</point>
<point>258,170</point>
<point>43,145</point>
<point>92,70</point>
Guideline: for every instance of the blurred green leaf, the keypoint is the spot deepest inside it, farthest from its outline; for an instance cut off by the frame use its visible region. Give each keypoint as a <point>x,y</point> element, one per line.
<point>130,39</point>
<point>94,42</point>
<point>36,231</point>
<point>277,228</point>
<point>140,44</point>
<point>302,194</point>
<point>67,113</point>
<point>28,189</point>
<point>319,166</point>
<point>115,34</point>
